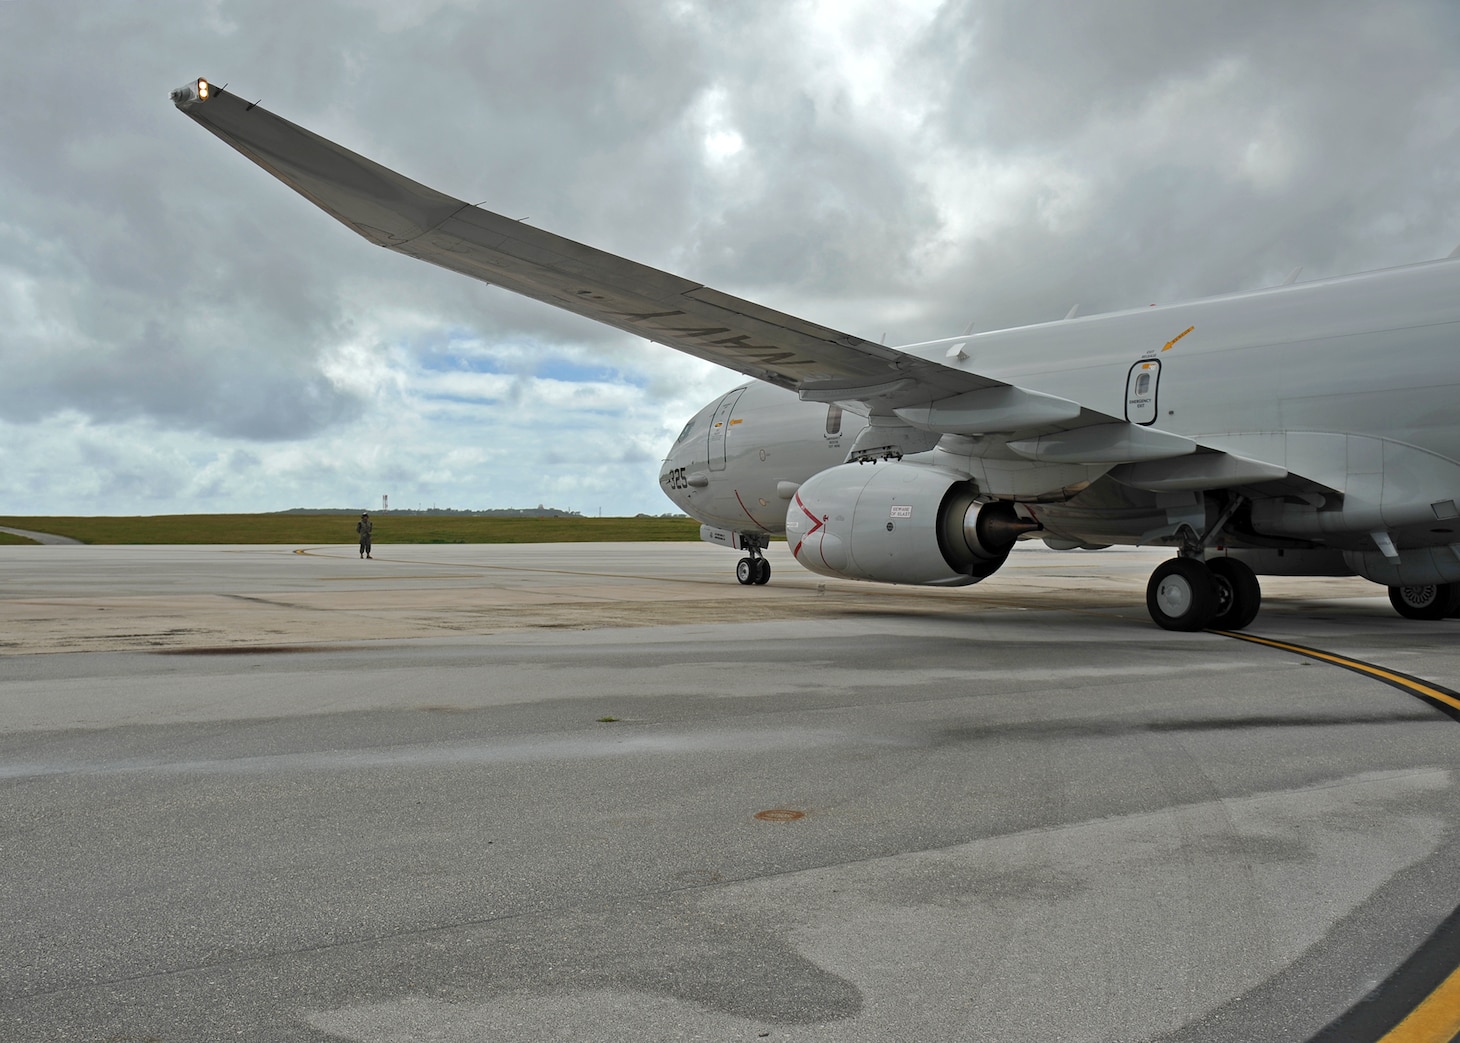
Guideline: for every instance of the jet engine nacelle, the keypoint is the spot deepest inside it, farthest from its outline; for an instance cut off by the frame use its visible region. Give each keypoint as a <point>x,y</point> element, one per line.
<point>900,523</point>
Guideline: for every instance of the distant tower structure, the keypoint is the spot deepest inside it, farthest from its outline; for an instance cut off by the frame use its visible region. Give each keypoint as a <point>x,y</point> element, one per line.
<point>385,502</point>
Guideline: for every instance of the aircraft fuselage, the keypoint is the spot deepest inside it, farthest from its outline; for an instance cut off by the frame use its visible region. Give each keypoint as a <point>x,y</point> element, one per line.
<point>1350,384</point>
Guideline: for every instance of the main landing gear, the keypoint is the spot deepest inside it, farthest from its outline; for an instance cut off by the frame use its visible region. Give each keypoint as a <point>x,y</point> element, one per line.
<point>1428,601</point>
<point>1188,594</point>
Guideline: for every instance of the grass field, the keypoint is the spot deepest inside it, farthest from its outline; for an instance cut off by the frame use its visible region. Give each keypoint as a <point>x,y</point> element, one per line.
<point>340,528</point>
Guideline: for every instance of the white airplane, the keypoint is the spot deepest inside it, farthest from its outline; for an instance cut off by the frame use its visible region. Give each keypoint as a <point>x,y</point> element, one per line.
<point>1303,430</point>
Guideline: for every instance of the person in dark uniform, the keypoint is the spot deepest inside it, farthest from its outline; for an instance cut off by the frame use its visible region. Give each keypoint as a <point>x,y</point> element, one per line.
<point>363,527</point>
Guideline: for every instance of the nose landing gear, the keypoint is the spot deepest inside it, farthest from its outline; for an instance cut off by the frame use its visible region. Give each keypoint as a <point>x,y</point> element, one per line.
<point>753,570</point>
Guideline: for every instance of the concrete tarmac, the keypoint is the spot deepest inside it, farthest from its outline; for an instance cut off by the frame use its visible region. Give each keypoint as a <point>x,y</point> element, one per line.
<point>603,792</point>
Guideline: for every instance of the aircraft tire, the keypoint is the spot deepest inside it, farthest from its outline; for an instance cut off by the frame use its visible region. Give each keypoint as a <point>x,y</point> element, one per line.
<point>762,572</point>
<point>745,571</point>
<point>1182,595</point>
<point>1239,595</point>
<point>1426,601</point>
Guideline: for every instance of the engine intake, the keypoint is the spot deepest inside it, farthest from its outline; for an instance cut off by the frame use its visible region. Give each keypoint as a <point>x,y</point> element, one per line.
<point>900,523</point>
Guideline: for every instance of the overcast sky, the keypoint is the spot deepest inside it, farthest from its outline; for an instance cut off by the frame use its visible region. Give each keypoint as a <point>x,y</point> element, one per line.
<point>181,333</point>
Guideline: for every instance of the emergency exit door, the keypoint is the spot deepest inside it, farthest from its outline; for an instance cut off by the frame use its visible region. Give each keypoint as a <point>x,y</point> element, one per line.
<point>1140,391</point>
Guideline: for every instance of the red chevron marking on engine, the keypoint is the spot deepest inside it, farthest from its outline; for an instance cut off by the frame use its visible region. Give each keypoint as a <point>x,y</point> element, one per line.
<point>816,523</point>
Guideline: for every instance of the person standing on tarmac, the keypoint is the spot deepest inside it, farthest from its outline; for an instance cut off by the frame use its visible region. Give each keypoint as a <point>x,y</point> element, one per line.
<point>364,527</point>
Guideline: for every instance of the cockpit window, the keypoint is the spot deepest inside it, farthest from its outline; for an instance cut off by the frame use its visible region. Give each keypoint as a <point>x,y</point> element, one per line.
<point>685,433</point>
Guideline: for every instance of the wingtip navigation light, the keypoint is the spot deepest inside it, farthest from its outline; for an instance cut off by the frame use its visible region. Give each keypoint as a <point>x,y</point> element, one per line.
<point>191,94</point>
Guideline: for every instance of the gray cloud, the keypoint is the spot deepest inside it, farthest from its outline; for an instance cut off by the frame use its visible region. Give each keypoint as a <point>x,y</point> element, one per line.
<point>898,170</point>
<point>1218,147</point>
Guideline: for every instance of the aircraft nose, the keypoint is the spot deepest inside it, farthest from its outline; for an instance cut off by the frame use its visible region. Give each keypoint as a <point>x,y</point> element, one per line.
<point>672,478</point>
<point>678,476</point>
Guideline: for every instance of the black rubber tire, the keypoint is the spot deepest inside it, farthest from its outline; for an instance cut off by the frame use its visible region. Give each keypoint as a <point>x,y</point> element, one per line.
<point>762,572</point>
<point>1239,595</point>
<point>1182,595</point>
<point>1426,601</point>
<point>745,571</point>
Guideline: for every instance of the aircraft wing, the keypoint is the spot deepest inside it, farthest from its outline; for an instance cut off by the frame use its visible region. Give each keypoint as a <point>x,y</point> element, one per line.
<point>911,400</point>
<point>403,215</point>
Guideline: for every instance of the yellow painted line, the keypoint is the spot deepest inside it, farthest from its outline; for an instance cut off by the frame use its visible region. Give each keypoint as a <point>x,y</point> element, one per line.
<point>1436,1020</point>
<point>1411,684</point>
